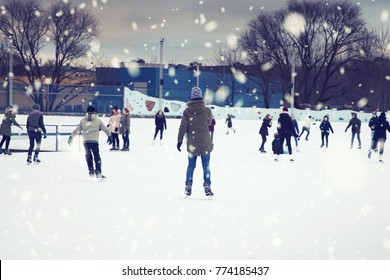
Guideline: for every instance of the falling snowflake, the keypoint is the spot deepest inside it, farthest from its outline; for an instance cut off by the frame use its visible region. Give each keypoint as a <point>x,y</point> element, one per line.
<point>294,24</point>
<point>384,16</point>
<point>211,26</point>
<point>232,41</point>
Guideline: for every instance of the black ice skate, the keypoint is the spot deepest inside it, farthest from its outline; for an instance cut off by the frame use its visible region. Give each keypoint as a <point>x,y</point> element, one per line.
<point>208,191</point>
<point>188,191</point>
<point>29,161</point>
<point>100,177</point>
<point>7,152</point>
<point>91,173</point>
<point>36,160</point>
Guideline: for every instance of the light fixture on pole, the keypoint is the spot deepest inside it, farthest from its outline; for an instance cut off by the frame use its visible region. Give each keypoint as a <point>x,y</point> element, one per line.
<point>161,81</point>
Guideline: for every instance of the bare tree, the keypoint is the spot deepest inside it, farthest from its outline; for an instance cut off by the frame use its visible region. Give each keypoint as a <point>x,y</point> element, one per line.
<point>31,27</point>
<point>265,74</point>
<point>328,42</point>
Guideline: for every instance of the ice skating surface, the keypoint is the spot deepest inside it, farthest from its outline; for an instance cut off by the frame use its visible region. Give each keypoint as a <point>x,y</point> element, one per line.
<point>329,204</point>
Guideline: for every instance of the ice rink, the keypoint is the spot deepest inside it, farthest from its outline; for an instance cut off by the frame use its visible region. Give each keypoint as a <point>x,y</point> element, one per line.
<point>329,204</point>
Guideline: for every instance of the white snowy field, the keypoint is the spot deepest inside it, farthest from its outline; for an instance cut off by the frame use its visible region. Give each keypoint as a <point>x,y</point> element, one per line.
<point>329,204</point>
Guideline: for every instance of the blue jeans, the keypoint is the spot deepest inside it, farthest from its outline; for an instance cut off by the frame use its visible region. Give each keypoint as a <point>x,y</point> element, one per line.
<point>191,167</point>
<point>353,138</point>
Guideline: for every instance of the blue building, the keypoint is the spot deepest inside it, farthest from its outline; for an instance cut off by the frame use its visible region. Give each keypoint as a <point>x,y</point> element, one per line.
<point>179,79</point>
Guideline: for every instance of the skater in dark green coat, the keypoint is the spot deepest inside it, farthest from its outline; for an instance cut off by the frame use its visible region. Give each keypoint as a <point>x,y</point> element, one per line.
<point>5,130</point>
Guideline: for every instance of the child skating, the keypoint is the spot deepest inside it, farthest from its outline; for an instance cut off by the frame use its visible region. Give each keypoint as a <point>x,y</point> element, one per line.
<point>161,124</point>
<point>325,127</point>
<point>229,123</point>
<point>267,123</point>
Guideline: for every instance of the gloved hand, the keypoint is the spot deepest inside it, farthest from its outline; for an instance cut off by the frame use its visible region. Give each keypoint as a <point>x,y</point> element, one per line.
<point>345,130</point>
<point>44,135</point>
<point>70,140</point>
<point>109,140</point>
<point>179,145</point>
<point>116,129</point>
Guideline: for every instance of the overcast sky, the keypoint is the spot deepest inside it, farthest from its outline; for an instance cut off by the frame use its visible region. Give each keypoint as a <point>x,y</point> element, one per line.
<point>131,28</point>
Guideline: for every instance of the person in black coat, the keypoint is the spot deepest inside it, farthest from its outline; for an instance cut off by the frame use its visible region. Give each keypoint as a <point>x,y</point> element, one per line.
<point>296,129</point>
<point>211,129</point>
<point>381,127</point>
<point>36,130</point>
<point>355,125</point>
<point>161,123</point>
<point>371,125</point>
<point>267,122</point>
<point>325,127</point>
<point>276,144</point>
<point>285,131</point>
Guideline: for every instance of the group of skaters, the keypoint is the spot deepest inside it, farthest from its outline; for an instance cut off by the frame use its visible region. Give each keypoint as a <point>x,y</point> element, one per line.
<point>287,127</point>
<point>35,128</point>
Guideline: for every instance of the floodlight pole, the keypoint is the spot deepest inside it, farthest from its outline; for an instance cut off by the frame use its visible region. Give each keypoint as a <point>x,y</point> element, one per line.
<point>197,74</point>
<point>293,74</point>
<point>161,81</point>
<point>10,74</point>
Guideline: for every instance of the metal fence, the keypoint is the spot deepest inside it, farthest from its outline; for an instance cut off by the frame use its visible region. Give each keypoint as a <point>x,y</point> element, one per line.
<point>62,98</point>
<point>57,135</point>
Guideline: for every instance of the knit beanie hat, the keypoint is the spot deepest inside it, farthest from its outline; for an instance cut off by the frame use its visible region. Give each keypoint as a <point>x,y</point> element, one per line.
<point>196,93</point>
<point>36,106</point>
<point>91,109</point>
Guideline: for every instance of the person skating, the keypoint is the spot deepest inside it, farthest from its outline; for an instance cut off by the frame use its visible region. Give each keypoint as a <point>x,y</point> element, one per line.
<point>306,127</point>
<point>267,122</point>
<point>355,125</point>
<point>211,129</point>
<point>113,125</point>
<point>285,131</point>
<point>229,123</point>
<point>6,131</point>
<point>296,129</point>
<point>325,127</point>
<point>161,124</point>
<point>36,130</point>
<point>371,125</point>
<point>381,127</point>
<point>276,145</point>
<point>90,127</point>
<point>125,129</point>
<point>194,123</point>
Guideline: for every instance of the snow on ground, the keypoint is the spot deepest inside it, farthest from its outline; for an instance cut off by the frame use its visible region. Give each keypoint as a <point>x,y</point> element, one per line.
<point>328,204</point>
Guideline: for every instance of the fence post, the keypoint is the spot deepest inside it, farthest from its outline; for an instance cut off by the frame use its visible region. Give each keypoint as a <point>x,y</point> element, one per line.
<point>56,138</point>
